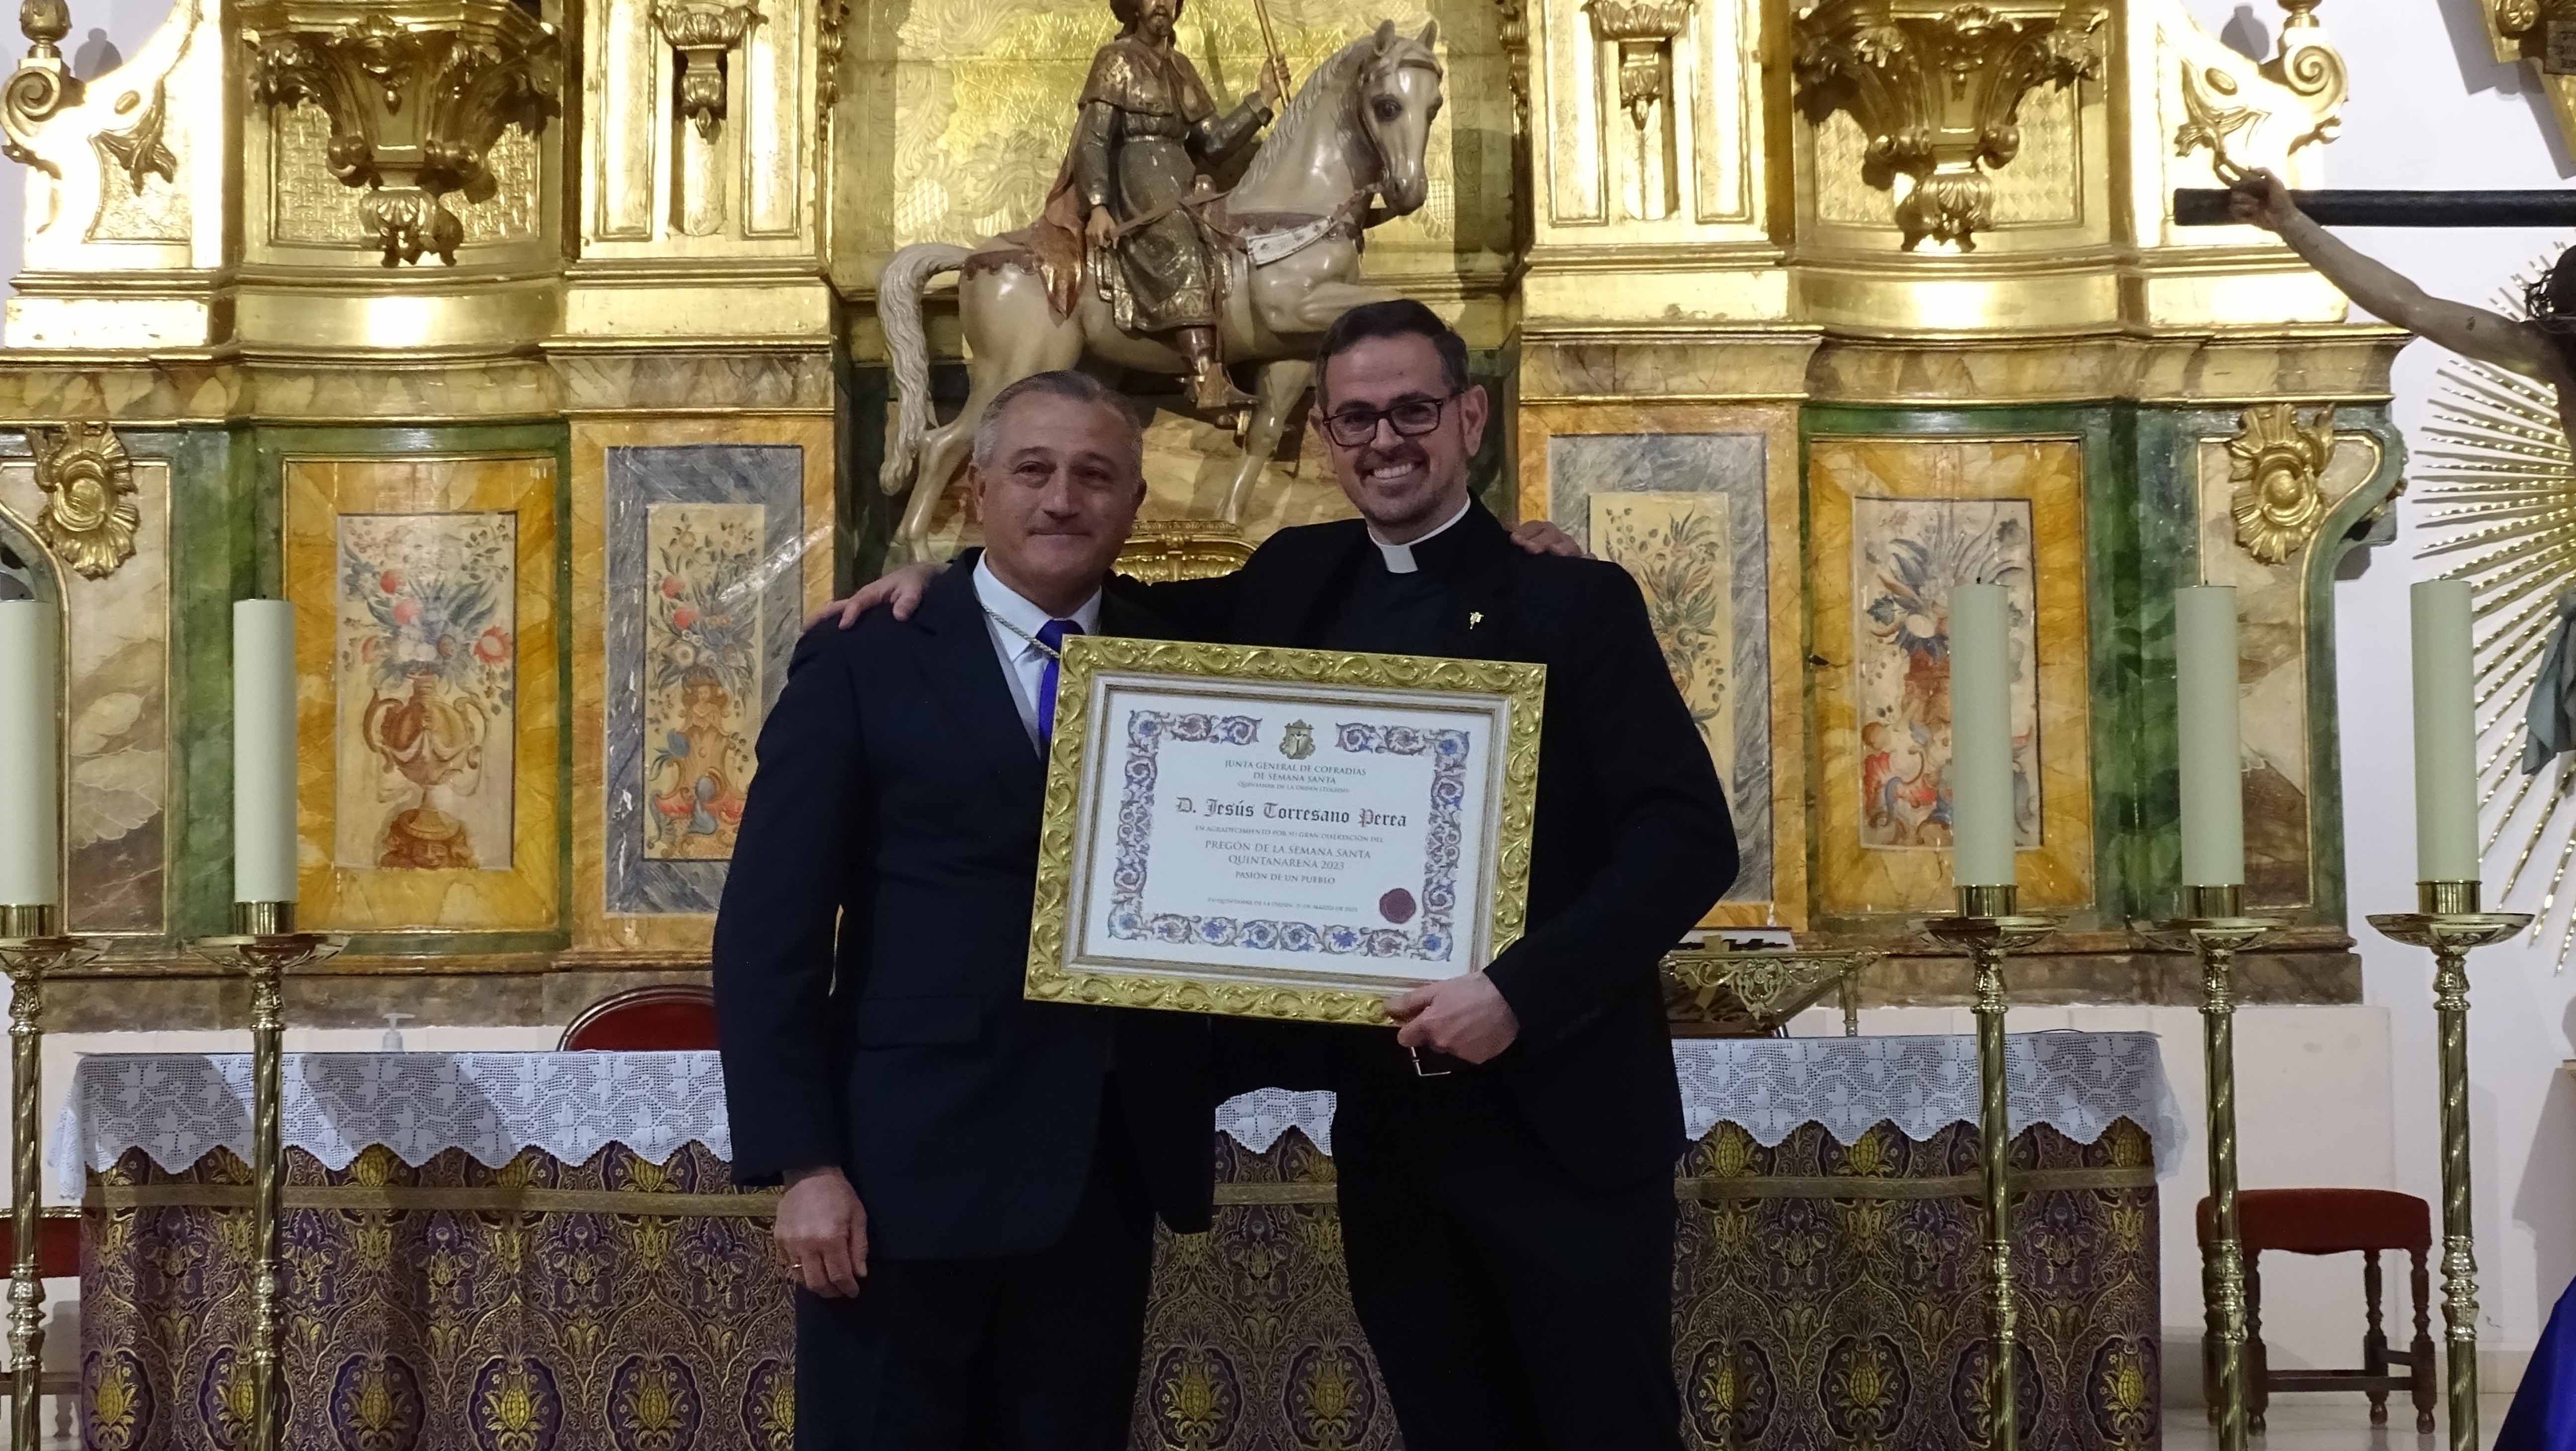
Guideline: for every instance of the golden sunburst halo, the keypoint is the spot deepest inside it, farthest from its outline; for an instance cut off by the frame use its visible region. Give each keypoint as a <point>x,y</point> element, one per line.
<point>2498,501</point>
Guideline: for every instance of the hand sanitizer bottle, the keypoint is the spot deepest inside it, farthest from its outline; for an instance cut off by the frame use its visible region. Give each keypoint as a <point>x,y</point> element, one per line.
<point>392,1041</point>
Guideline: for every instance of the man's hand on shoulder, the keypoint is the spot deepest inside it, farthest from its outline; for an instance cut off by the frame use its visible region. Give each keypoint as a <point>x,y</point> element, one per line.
<point>899,591</point>
<point>1464,1017</point>
<point>1541,536</point>
<point>822,1229</point>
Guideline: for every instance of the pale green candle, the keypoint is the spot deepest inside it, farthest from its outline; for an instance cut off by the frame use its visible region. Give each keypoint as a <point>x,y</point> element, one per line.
<point>2446,735</point>
<point>31,834</point>
<point>263,751</point>
<point>2213,779</point>
<point>1981,754</point>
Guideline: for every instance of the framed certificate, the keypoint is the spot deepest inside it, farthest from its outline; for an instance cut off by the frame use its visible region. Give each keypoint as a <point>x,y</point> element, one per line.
<point>1279,833</point>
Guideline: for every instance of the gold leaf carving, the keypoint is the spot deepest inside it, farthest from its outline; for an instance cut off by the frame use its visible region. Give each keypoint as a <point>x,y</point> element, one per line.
<point>2276,461</point>
<point>2207,121</point>
<point>415,106</point>
<point>90,515</point>
<point>1939,96</point>
<point>308,206</point>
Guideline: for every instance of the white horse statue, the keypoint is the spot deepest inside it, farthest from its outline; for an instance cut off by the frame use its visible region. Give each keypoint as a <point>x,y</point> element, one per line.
<point>1287,241</point>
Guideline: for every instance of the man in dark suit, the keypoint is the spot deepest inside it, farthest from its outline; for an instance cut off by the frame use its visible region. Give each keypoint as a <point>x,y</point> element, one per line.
<point>1508,1215</point>
<point>972,1177</point>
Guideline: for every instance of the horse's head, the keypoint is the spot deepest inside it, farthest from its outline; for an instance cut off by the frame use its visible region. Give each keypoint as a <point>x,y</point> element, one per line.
<point>1397,97</point>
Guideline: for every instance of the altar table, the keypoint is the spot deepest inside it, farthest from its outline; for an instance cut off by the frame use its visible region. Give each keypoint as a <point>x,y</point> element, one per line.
<point>544,1252</point>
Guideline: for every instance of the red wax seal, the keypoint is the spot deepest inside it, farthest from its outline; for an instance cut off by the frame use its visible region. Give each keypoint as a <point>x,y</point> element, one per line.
<point>1396,906</point>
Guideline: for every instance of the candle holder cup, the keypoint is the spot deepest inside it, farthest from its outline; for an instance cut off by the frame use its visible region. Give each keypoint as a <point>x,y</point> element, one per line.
<point>264,946</point>
<point>1988,926</point>
<point>2212,925</point>
<point>32,946</point>
<point>2447,920</point>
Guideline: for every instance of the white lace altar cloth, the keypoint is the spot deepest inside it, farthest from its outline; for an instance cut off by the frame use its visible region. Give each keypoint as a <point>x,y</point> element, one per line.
<point>2076,1083</point>
<point>178,1107</point>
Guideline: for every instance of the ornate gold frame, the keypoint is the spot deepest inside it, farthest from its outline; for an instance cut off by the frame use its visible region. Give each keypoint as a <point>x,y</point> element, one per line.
<point>2056,875</point>
<point>1540,424</point>
<point>598,932</point>
<point>321,487</point>
<point>1521,688</point>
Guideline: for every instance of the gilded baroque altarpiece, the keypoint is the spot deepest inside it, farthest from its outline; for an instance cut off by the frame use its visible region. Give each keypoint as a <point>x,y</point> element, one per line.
<point>536,353</point>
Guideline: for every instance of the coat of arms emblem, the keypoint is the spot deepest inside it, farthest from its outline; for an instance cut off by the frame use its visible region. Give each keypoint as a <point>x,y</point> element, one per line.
<point>1297,741</point>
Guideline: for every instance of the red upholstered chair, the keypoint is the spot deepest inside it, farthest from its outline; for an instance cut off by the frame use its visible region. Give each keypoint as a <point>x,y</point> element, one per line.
<point>666,1018</point>
<point>2333,1222</point>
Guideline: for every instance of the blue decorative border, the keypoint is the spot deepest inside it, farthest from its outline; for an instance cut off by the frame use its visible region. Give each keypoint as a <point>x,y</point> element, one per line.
<point>636,477</point>
<point>1429,940</point>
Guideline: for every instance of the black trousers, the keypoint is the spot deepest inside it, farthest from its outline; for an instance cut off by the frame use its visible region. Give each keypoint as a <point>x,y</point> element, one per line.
<point>1033,1352</point>
<point>1509,1308</point>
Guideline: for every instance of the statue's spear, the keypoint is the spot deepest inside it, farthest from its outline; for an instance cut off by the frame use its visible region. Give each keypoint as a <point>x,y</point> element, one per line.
<point>1270,43</point>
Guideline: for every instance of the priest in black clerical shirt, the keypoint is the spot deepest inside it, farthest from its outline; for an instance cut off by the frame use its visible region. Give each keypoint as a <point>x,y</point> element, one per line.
<point>1505,1157</point>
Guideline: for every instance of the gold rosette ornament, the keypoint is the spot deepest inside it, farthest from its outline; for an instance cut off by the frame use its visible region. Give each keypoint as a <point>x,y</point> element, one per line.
<point>2278,466</point>
<point>90,515</point>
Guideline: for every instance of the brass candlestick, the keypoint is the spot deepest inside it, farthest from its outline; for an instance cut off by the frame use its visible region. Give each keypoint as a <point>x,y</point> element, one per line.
<point>31,945</point>
<point>265,946</point>
<point>1988,927</point>
<point>2448,921</point>
<point>2213,924</point>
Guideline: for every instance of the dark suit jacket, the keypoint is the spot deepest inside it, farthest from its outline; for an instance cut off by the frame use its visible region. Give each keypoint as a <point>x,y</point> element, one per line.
<point>1632,840</point>
<point>899,793</point>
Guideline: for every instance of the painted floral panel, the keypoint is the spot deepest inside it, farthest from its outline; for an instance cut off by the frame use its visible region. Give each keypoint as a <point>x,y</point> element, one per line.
<point>1678,548</point>
<point>702,647</point>
<point>1907,555</point>
<point>427,690</point>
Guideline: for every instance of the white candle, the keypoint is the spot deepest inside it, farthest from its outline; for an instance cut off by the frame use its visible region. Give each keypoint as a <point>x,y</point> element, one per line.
<point>263,751</point>
<point>2213,779</point>
<point>1981,753</point>
<point>2446,735</point>
<point>31,837</point>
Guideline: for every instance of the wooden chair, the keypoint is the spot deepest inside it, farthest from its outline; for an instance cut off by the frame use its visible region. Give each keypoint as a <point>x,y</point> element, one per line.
<point>2328,1222</point>
<point>665,1017</point>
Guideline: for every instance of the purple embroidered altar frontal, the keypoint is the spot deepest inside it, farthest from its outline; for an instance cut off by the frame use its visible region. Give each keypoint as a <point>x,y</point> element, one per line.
<point>1827,1289</point>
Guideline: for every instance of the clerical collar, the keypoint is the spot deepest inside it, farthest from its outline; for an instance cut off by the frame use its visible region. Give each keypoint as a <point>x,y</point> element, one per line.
<point>1016,610</point>
<point>1399,557</point>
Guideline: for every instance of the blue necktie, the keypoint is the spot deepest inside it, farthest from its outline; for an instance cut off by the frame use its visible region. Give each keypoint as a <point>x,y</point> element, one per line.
<point>1051,635</point>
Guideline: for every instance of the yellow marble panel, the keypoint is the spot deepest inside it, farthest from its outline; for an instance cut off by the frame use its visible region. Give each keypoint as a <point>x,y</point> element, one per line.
<point>600,933</point>
<point>1981,490</point>
<point>428,710</point>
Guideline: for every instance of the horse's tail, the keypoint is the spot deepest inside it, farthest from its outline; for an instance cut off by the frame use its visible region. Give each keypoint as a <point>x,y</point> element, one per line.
<point>899,290</point>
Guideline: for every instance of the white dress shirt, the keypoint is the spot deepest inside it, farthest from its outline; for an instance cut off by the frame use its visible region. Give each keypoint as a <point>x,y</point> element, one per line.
<point>1399,557</point>
<point>1023,664</point>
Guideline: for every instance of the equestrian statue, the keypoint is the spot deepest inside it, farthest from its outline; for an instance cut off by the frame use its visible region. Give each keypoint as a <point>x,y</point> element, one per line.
<point>1136,262</point>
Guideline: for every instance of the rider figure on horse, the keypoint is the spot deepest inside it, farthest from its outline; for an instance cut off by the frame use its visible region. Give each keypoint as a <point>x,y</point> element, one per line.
<point>1147,136</point>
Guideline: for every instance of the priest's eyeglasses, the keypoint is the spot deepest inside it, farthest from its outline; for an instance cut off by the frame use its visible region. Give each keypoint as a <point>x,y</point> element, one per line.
<point>1410,418</point>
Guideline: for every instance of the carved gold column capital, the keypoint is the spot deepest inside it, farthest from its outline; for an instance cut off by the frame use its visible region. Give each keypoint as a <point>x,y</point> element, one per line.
<point>1937,92</point>
<point>2277,462</point>
<point>90,515</point>
<point>702,32</point>
<point>415,104</point>
<point>1644,31</point>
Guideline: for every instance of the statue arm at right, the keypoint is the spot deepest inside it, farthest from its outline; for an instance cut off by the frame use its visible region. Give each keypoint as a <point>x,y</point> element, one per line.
<point>2472,332</point>
<point>1094,133</point>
